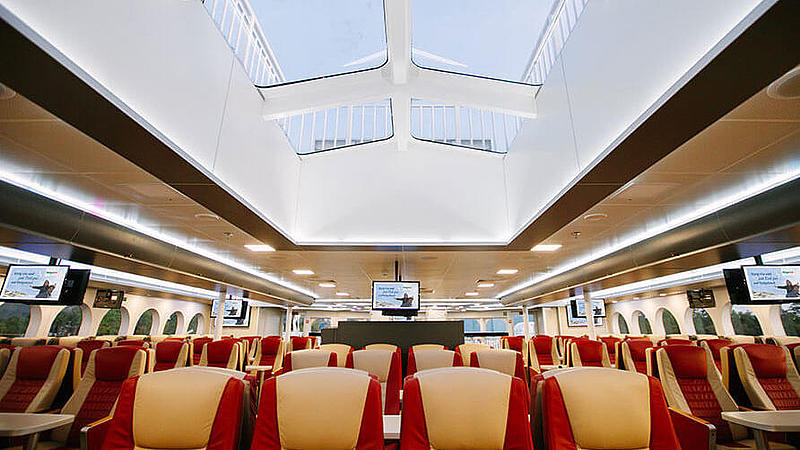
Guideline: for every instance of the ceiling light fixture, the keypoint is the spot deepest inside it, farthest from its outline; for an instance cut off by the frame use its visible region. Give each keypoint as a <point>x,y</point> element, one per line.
<point>259,248</point>
<point>546,247</point>
<point>485,284</point>
<point>343,294</point>
<point>328,284</point>
<point>507,271</point>
<point>303,272</point>
<point>471,294</point>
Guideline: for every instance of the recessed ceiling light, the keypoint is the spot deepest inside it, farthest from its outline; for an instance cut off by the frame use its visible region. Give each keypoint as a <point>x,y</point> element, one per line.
<point>485,284</point>
<point>206,216</point>
<point>342,294</point>
<point>595,217</point>
<point>662,295</point>
<point>546,247</point>
<point>507,271</point>
<point>259,248</point>
<point>636,298</point>
<point>303,272</point>
<point>328,284</point>
<point>471,294</point>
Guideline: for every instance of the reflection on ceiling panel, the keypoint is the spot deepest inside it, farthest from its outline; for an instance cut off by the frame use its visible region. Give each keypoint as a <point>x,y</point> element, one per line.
<point>338,127</point>
<point>464,126</point>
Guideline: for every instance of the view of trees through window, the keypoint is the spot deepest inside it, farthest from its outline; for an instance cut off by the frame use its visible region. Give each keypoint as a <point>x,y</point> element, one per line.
<point>145,322</point>
<point>67,322</point>
<point>171,326</point>
<point>790,317</point>
<point>702,322</point>
<point>14,318</point>
<point>670,324</point>
<point>193,324</point>
<point>644,324</point>
<point>110,323</point>
<point>744,321</point>
<point>623,325</point>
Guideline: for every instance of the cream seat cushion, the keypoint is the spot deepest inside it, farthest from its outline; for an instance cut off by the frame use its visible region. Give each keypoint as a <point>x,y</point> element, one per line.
<point>341,351</point>
<point>503,361</point>
<point>304,359</point>
<point>433,359</point>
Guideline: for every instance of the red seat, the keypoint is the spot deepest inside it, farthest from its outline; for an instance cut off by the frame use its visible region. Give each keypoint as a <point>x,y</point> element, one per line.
<point>138,343</point>
<point>439,410</point>
<point>177,409</point>
<point>674,341</point>
<point>269,350</point>
<point>713,346</point>
<point>508,362</point>
<point>794,352</point>
<point>465,350</point>
<point>300,343</point>
<point>633,355</point>
<point>385,366</point>
<point>88,346</point>
<point>593,408</point>
<point>304,359</point>
<point>611,346</point>
<point>430,359</point>
<point>768,376</point>
<point>585,352</point>
<point>341,350</point>
<point>197,348</point>
<point>544,353</point>
<point>224,353</point>
<point>171,355</point>
<point>516,343</point>
<point>33,378</point>
<point>346,411</point>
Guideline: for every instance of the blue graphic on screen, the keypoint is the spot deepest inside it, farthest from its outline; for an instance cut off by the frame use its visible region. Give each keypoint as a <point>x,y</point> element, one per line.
<point>773,282</point>
<point>395,295</point>
<point>34,283</point>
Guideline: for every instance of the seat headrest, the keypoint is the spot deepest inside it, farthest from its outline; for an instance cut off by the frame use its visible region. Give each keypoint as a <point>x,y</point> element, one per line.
<point>637,348</point>
<point>676,342</point>
<point>769,361</point>
<point>34,363</point>
<point>302,359</point>
<point>542,344</point>
<point>219,351</point>
<point>589,350</point>
<point>374,361</point>
<point>270,344</point>
<point>168,350</point>
<point>687,361</point>
<point>503,361</point>
<point>114,363</point>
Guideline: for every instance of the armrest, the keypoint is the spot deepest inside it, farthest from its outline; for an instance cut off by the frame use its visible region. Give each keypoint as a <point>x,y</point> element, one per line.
<point>93,435</point>
<point>693,432</point>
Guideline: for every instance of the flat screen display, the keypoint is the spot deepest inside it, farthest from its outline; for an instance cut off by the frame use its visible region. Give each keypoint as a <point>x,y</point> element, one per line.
<point>772,283</point>
<point>234,308</point>
<point>109,298</point>
<point>579,308</point>
<point>573,321</point>
<point>701,298</point>
<point>243,320</point>
<point>33,283</point>
<point>395,295</point>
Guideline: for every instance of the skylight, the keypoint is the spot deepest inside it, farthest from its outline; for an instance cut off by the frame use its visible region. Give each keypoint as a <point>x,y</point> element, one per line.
<point>317,38</point>
<point>491,39</point>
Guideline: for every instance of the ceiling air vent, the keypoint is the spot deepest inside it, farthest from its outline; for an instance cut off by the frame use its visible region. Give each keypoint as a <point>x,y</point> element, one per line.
<point>786,87</point>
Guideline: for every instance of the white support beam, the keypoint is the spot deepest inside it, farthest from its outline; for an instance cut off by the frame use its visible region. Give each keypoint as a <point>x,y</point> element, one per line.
<point>398,41</point>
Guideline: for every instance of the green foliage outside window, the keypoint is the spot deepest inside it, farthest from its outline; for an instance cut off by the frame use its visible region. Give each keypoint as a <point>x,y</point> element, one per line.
<point>644,324</point>
<point>172,324</point>
<point>702,322</point>
<point>110,323</point>
<point>145,323</point>
<point>744,321</point>
<point>193,324</point>
<point>67,322</point>
<point>14,318</point>
<point>790,317</point>
<point>623,325</point>
<point>670,324</point>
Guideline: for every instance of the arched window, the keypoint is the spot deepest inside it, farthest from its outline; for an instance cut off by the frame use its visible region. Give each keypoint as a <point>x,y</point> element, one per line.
<point>471,325</point>
<point>790,318</point>
<point>318,324</point>
<point>67,322</point>
<point>14,318</point>
<point>171,326</point>
<point>670,324</point>
<point>145,323</point>
<point>744,321</point>
<point>644,324</point>
<point>110,323</point>
<point>702,322</point>
<point>519,324</point>
<point>496,324</point>
<point>623,325</point>
<point>194,324</point>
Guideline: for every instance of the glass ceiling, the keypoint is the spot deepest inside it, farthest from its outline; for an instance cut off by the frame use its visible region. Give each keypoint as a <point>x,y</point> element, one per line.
<point>315,38</point>
<point>493,39</point>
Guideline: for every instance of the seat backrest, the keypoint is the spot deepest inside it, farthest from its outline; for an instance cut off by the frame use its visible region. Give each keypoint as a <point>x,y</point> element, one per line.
<point>33,378</point>
<point>674,341</point>
<point>304,359</point>
<point>504,361</point>
<point>465,350</point>
<point>300,343</point>
<point>692,384</point>
<point>594,408</point>
<point>610,343</point>
<point>385,366</point>
<point>269,350</point>
<point>585,352</point>
<point>88,346</point>
<point>5,356</point>
<point>224,353</point>
<point>389,347</point>
<point>171,355</point>
<point>99,388</point>
<point>28,341</point>
<point>439,410</point>
<point>430,359</point>
<point>713,346</point>
<point>138,343</point>
<point>768,376</point>
<point>544,352</point>
<point>428,347</point>
<point>742,339</point>
<point>341,350</point>
<point>633,354</point>
<point>320,408</point>
<point>178,409</point>
<point>197,348</point>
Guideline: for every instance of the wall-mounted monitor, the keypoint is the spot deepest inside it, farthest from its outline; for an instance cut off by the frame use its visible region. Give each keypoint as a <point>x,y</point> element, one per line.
<point>772,284</point>
<point>701,298</point>
<point>395,295</point>
<point>579,308</point>
<point>243,320</point>
<point>737,286</point>
<point>75,285</point>
<point>34,284</point>
<point>109,298</point>
<point>234,308</point>
<point>573,321</point>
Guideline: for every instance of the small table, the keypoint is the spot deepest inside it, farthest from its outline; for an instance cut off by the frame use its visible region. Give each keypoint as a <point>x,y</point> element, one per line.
<point>391,426</point>
<point>258,368</point>
<point>762,422</point>
<point>30,425</point>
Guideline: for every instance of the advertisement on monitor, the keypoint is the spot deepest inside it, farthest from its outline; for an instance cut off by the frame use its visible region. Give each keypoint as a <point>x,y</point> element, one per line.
<point>33,283</point>
<point>395,295</point>
<point>773,283</point>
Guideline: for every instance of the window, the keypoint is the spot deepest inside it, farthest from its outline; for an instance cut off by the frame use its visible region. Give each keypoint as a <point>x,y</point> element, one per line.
<point>14,318</point>
<point>670,324</point>
<point>519,324</point>
<point>744,321</point>
<point>171,327</point>
<point>67,322</point>
<point>644,324</point>
<point>702,322</point>
<point>790,318</point>
<point>471,325</point>
<point>496,325</point>
<point>194,324</point>
<point>110,323</point>
<point>622,324</point>
<point>318,324</point>
<point>145,323</point>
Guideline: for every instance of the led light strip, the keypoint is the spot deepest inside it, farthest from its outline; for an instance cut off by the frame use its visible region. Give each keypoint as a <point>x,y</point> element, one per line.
<point>111,217</point>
